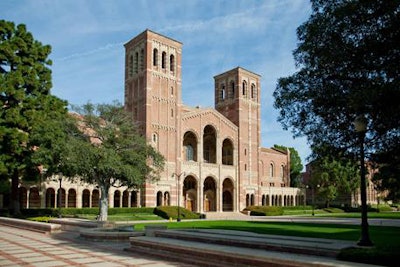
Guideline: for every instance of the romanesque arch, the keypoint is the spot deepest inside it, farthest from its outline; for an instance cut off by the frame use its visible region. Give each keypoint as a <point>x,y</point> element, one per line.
<point>95,198</point>
<point>134,199</point>
<point>117,199</point>
<point>209,144</point>
<point>227,195</point>
<point>209,194</point>
<point>190,146</point>
<point>71,198</point>
<point>50,198</point>
<point>85,198</point>
<point>190,193</point>
<point>34,198</point>
<point>227,152</point>
<point>23,196</point>
<point>125,198</point>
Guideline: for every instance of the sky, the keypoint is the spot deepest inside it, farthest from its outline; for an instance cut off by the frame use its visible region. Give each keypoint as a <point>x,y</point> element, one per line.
<point>87,38</point>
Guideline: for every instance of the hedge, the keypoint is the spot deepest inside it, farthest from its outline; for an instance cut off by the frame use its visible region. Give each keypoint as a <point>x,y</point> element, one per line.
<point>265,210</point>
<point>168,212</point>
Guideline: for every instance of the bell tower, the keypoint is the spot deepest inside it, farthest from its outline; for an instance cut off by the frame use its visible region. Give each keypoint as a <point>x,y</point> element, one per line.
<point>237,97</point>
<point>153,87</point>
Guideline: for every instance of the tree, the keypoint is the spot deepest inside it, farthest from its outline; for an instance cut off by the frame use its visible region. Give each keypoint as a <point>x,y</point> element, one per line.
<point>333,176</point>
<point>25,82</point>
<point>110,152</point>
<point>296,166</point>
<point>348,58</point>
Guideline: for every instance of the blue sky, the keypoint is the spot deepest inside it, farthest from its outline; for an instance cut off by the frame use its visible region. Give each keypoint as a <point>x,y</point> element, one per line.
<point>87,38</point>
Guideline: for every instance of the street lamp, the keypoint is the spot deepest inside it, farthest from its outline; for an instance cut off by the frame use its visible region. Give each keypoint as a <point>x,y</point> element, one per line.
<point>59,194</point>
<point>360,126</point>
<point>312,187</point>
<point>177,188</point>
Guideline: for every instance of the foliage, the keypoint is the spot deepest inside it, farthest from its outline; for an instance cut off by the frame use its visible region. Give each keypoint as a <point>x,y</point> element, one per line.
<point>348,58</point>
<point>296,166</point>
<point>333,175</point>
<point>265,210</point>
<point>25,82</point>
<point>110,152</point>
<point>168,212</point>
<point>333,210</point>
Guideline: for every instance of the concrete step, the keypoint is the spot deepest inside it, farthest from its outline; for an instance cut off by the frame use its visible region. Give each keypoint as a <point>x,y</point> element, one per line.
<point>225,215</point>
<point>226,248</point>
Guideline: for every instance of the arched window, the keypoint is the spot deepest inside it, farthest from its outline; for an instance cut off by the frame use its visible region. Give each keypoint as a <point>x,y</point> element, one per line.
<point>253,91</point>
<point>222,92</point>
<point>172,63</point>
<point>271,170</point>
<point>190,146</point>
<point>136,63</point>
<point>163,59</point>
<point>232,91</point>
<point>130,65</point>
<point>155,138</point>
<point>172,90</point>
<point>141,59</point>
<point>282,171</point>
<point>244,88</point>
<point>155,57</point>
<point>189,153</point>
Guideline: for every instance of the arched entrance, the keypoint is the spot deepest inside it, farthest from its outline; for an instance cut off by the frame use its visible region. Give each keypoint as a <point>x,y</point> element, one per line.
<point>34,198</point>
<point>50,198</point>
<point>117,199</point>
<point>190,193</point>
<point>95,198</point>
<point>23,196</point>
<point>125,198</point>
<point>71,198</point>
<point>227,195</point>
<point>159,198</point>
<point>86,198</point>
<point>209,196</point>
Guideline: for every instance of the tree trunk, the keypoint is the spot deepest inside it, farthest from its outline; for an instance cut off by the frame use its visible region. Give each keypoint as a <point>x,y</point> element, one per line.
<point>103,207</point>
<point>14,203</point>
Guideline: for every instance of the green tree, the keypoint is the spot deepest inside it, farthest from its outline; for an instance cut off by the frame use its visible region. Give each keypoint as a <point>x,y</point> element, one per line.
<point>348,65</point>
<point>111,152</point>
<point>296,167</point>
<point>332,176</point>
<point>25,82</point>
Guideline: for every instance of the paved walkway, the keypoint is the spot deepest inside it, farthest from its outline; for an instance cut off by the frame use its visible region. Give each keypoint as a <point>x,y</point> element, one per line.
<point>26,248</point>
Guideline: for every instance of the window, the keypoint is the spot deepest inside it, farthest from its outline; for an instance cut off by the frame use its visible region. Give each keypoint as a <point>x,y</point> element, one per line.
<point>163,59</point>
<point>130,65</point>
<point>244,88</point>
<point>172,63</point>
<point>222,93</point>
<point>141,59</point>
<point>155,57</point>
<point>253,91</point>
<point>232,92</point>
<point>282,171</point>
<point>136,63</point>
<point>189,153</point>
<point>155,138</point>
<point>271,170</point>
<point>172,112</point>
<point>172,90</point>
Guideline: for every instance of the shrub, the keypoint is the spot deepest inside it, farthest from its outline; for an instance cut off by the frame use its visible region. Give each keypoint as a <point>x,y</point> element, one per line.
<point>297,208</point>
<point>333,210</point>
<point>379,256</point>
<point>265,210</point>
<point>167,212</point>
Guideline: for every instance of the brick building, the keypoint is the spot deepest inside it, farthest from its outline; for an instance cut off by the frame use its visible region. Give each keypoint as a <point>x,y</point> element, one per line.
<point>214,158</point>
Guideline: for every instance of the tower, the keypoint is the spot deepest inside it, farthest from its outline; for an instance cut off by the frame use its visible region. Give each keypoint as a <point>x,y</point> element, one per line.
<point>153,95</point>
<point>237,97</point>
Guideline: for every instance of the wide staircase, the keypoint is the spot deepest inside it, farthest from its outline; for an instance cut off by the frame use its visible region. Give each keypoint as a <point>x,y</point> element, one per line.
<point>229,215</point>
<point>205,247</point>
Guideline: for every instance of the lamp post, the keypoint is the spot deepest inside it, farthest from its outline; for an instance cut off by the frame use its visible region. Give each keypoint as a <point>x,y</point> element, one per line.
<point>312,187</point>
<point>177,189</point>
<point>59,195</point>
<point>360,126</point>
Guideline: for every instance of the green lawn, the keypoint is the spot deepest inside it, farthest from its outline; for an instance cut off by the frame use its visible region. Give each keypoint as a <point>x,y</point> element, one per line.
<point>381,235</point>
